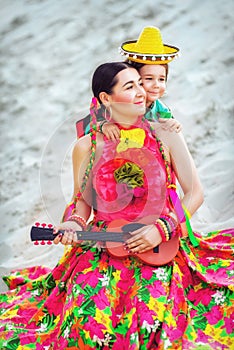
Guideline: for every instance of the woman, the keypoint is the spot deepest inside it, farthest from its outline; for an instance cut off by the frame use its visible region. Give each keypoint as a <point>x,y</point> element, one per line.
<point>95,300</point>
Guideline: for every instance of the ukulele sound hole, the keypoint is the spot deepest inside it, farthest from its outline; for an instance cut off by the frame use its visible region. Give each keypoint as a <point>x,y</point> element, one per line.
<point>135,226</point>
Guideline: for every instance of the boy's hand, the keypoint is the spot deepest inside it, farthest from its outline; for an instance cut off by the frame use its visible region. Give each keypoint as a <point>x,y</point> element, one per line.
<point>111,131</point>
<point>170,124</point>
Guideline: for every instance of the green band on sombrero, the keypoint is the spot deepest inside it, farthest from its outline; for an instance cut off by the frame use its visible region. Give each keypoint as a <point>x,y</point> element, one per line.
<point>149,48</point>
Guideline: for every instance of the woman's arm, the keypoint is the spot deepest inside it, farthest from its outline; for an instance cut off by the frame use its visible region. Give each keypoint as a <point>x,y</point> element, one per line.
<point>185,169</point>
<point>80,159</point>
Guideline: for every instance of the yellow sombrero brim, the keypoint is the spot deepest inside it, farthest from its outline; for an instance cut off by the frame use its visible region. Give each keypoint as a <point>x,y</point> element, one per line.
<point>129,50</point>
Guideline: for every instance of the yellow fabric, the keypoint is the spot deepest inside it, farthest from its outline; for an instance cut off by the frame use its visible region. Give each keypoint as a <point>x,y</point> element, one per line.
<point>131,139</point>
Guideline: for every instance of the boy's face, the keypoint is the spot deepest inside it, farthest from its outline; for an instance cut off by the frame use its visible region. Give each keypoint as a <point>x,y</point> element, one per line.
<point>154,81</point>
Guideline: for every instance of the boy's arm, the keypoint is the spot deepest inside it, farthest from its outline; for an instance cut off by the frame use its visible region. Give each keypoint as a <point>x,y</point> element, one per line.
<point>170,124</point>
<point>162,113</point>
<point>110,130</point>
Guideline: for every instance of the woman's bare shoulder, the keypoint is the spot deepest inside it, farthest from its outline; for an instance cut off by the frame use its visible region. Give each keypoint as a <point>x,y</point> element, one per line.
<point>83,144</point>
<point>168,137</point>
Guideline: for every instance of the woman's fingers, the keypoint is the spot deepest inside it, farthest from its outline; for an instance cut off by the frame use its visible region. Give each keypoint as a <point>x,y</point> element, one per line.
<point>68,237</point>
<point>143,239</point>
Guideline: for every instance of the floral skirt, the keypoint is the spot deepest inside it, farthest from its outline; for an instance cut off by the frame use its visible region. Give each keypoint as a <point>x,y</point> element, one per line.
<point>91,300</point>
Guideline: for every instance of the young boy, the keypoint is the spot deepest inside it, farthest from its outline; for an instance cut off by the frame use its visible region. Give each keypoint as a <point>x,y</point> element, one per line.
<point>154,79</point>
<point>150,57</point>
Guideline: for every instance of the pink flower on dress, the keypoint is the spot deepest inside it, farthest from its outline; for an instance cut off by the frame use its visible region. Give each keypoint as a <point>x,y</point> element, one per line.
<point>229,321</point>
<point>122,342</point>
<point>94,328</point>
<point>146,314</point>
<point>177,333</point>
<point>157,289</point>
<point>27,338</point>
<point>201,296</point>
<point>55,302</point>
<point>146,272</point>
<point>83,261</point>
<point>126,279</point>
<point>58,272</point>
<point>214,316</point>
<point>100,300</point>
<point>220,276</point>
<point>89,278</point>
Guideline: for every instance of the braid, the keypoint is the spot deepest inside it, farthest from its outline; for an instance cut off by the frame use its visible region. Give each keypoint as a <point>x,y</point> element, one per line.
<point>93,135</point>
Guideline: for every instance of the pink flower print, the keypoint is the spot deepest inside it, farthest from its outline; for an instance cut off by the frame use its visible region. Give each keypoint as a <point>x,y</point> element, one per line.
<point>115,317</point>
<point>204,261</point>
<point>126,279</point>
<point>202,337</point>
<point>146,314</point>
<point>219,277</point>
<point>146,272</point>
<point>122,342</point>
<point>214,316</point>
<point>58,272</point>
<point>157,289</point>
<point>202,296</point>
<point>55,302</point>
<point>94,328</point>
<point>83,261</point>
<point>178,332</point>
<point>228,324</point>
<point>27,338</point>
<point>37,271</point>
<point>100,300</point>
<point>26,313</point>
<point>89,278</point>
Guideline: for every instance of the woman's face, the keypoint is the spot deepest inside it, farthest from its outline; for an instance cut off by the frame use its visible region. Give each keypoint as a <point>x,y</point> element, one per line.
<point>154,81</point>
<point>128,96</point>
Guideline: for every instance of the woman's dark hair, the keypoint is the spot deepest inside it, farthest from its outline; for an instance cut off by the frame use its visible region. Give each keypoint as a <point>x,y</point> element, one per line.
<point>104,77</point>
<point>138,66</point>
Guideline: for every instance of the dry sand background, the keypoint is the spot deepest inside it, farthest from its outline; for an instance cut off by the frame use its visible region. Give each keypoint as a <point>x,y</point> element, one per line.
<point>49,50</point>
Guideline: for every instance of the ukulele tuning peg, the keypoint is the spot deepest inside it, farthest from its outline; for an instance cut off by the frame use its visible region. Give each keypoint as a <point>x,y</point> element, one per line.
<point>49,242</point>
<point>36,243</point>
<point>42,243</point>
<point>50,225</point>
<point>43,225</point>
<point>37,224</point>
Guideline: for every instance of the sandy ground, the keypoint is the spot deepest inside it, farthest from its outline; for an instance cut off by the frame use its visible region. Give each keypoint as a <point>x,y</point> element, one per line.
<point>49,50</point>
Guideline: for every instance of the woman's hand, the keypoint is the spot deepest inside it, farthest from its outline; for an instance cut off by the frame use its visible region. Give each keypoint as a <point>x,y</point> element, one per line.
<point>69,237</point>
<point>143,239</point>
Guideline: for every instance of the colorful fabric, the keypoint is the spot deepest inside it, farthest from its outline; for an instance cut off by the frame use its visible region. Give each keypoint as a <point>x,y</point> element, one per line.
<point>92,300</point>
<point>158,110</point>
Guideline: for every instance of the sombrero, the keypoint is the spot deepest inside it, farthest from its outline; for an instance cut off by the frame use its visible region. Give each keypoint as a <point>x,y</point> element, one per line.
<point>149,48</point>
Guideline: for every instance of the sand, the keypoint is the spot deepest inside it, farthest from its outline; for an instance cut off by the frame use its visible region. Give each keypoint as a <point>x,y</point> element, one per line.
<point>49,50</point>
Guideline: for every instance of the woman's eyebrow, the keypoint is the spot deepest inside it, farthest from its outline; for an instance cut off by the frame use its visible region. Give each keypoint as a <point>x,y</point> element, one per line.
<point>128,82</point>
<point>131,82</point>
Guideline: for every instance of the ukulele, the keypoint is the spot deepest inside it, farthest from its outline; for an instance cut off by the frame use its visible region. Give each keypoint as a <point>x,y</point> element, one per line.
<point>117,233</point>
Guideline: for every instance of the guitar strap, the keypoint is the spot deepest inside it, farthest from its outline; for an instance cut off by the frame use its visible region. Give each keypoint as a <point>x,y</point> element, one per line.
<point>186,228</point>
